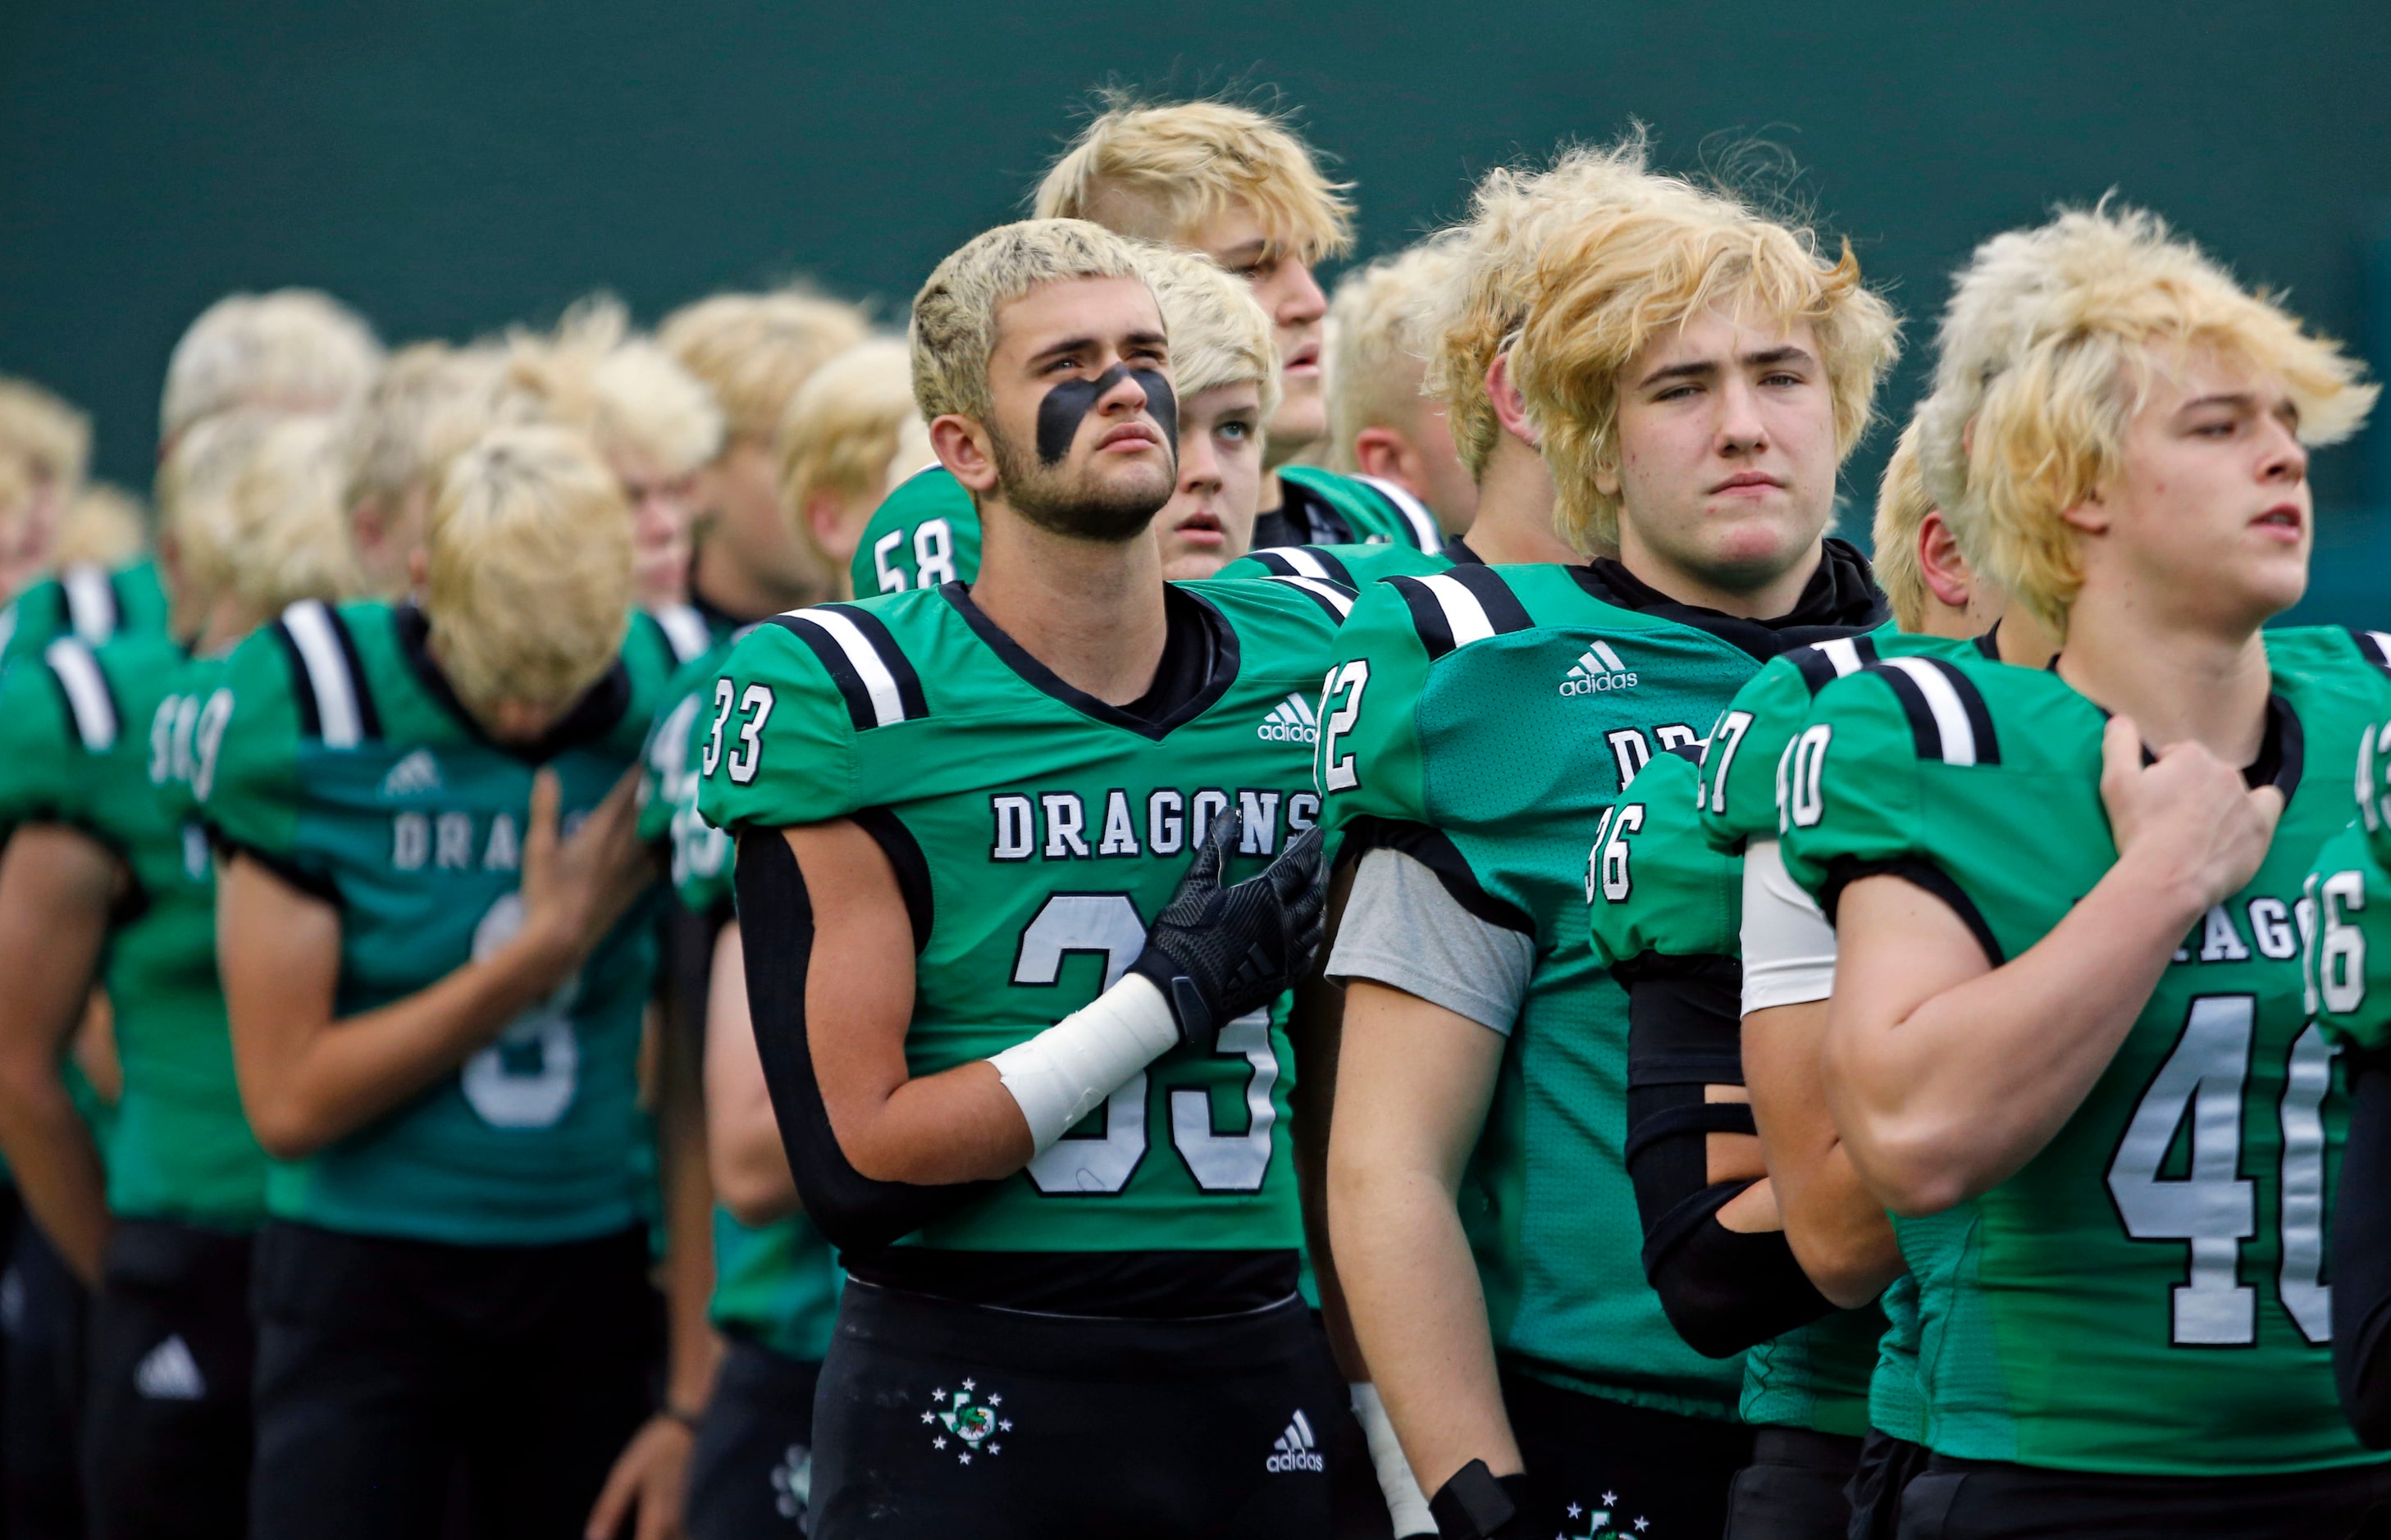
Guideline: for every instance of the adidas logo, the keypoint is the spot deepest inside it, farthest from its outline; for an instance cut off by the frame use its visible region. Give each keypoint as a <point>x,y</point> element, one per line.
<point>170,1373</point>
<point>1295,1449</point>
<point>1291,721</point>
<point>1598,672</point>
<point>413,775</point>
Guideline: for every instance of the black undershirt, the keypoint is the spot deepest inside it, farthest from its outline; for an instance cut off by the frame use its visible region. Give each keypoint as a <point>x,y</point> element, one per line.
<point>1304,518</point>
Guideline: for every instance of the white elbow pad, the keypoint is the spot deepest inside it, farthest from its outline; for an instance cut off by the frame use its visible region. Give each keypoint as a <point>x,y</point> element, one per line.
<point>1063,1075</point>
<point>1788,948</point>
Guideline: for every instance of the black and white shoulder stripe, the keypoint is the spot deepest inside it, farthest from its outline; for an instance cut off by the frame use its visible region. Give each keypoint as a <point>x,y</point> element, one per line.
<point>1426,534</point>
<point>1824,662</point>
<point>1309,561</point>
<point>1330,596</point>
<point>1463,605</point>
<point>1948,715</point>
<point>864,660</point>
<point>89,700</point>
<point>336,706</point>
<point>684,629</point>
<point>2373,646</point>
<point>93,612</point>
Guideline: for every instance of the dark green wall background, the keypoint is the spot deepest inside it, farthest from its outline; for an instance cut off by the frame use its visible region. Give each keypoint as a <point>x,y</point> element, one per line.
<point>450,167</point>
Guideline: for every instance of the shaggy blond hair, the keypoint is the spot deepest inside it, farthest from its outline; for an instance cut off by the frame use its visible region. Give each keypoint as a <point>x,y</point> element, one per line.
<point>953,331</point>
<point>841,430</point>
<point>529,571</point>
<point>622,391</point>
<point>1901,505</point>
<point>431,404</point>
<point>37,427</point>
<point>1162,171</point>
<point>103,524</point>
<point>1219,334</point>
<point>287,527</point>
<point>1380,333</point>
<point>754,350</point>
<point>2053,340</point>
<point>194,495</point>
<point>1640,254</point>
<point>294,349</point>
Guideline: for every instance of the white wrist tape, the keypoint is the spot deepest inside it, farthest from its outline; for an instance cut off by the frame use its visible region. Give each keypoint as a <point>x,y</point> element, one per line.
<point>1788,948</point>
<point>1065,1072</point>
<point>1405,1503</point>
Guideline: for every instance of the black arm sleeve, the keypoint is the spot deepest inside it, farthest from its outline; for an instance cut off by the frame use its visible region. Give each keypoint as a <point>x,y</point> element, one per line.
<point>2361,1256</point>
<point>1722,1289</point>
<point>776,924</point>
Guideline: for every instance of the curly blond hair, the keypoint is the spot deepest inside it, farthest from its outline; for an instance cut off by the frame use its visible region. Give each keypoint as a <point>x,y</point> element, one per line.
<point>953,331</point>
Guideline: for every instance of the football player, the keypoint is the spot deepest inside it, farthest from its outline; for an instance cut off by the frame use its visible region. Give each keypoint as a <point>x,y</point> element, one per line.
<point>1694,373</point>
<point>1226,377</point>
<point>435,992</point>
<point>1382,427</point>
<point>1241,188</point>
<point>1029,1067</point>
<point>2064,901</point>
<point>1698,936</point>
<point>754,353</point>
<point>108,879</point>
<point>428,404</point>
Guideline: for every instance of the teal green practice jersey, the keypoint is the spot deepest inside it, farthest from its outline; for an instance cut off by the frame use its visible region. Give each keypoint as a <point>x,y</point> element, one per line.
<point>1483,719</point>
<point>2345,929</point>
<point>926,531</point>
<point>1049,828</point>
<point>1653,886</point>
<point>2146,1296</point>
<point>349,767</point>
<point>85,601</point>
<point>774,1284</point>
<point>1353,566</point>
<point>96,739</point>
<point>1738,804</point>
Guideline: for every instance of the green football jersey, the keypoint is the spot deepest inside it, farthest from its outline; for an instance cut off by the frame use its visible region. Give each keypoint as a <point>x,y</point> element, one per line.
<point>349,766</point>
<point>1483,719</point>
<point>669,815</point>
<point>2146,1295</point>
<point>88,739</point>
<point>1654,886</point>
<point>85,601</point>
<point>925,532</point>
<point>1048,829</point>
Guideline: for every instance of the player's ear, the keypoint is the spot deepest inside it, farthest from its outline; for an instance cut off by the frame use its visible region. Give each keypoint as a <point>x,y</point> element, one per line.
<point>1511,406</point>
<point>1383,453</point>
<point>1938,562</point>
<point>2090,516</point>
<point>963,448</point>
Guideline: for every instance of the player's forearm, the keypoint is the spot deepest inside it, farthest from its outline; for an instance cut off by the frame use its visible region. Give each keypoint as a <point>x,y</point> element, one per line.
<point>1951,1099</point>
<point>1838,1233</point>
<point>305,1086</point>
<point>1418,1312</point>
<point>54,1163</point>
<point>957,1125</point>
<point>1836,1226</point>
<point>692,1349</point>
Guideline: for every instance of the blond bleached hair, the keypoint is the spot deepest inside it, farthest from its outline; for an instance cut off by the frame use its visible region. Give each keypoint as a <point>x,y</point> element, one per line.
<point>841,430</point>
<point>528,568</point>
<point>622,391</point>
<point>1639,254</point>
<point>2053,340</point>
<point>953,330</point>
<point>430,405</point>
<point>1218,331</point>
<point>754,350</point>
<point>103,524</point>
<point>287,527</point>
<point>38,427</point>
<point>1161,171</point>
<point>294,350</point>
<point>1380,334</point>
<point>194,497</point>
<point>1901,505</point>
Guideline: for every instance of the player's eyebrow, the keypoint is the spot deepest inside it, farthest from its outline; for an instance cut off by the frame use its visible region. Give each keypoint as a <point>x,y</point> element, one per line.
<point>2236,401</point>
<point>1058,349</point>
<point>1245,251</point>
<point>1697,369</point>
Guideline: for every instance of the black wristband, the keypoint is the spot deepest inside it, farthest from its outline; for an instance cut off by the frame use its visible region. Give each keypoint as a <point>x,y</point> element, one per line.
<point>1476,1504</point>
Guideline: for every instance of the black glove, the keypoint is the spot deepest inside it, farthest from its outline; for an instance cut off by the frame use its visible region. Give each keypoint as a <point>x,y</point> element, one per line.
<point>1477,1504</point>
<point>1216,953</point>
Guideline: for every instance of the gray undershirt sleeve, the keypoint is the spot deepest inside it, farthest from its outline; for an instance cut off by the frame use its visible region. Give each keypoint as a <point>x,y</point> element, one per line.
<point>1402,929</point>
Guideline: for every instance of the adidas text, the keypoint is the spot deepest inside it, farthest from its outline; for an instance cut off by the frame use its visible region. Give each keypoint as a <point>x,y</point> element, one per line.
<point>1295,1450</point>
<point>1596,673</point>
<point>1291,721</point>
